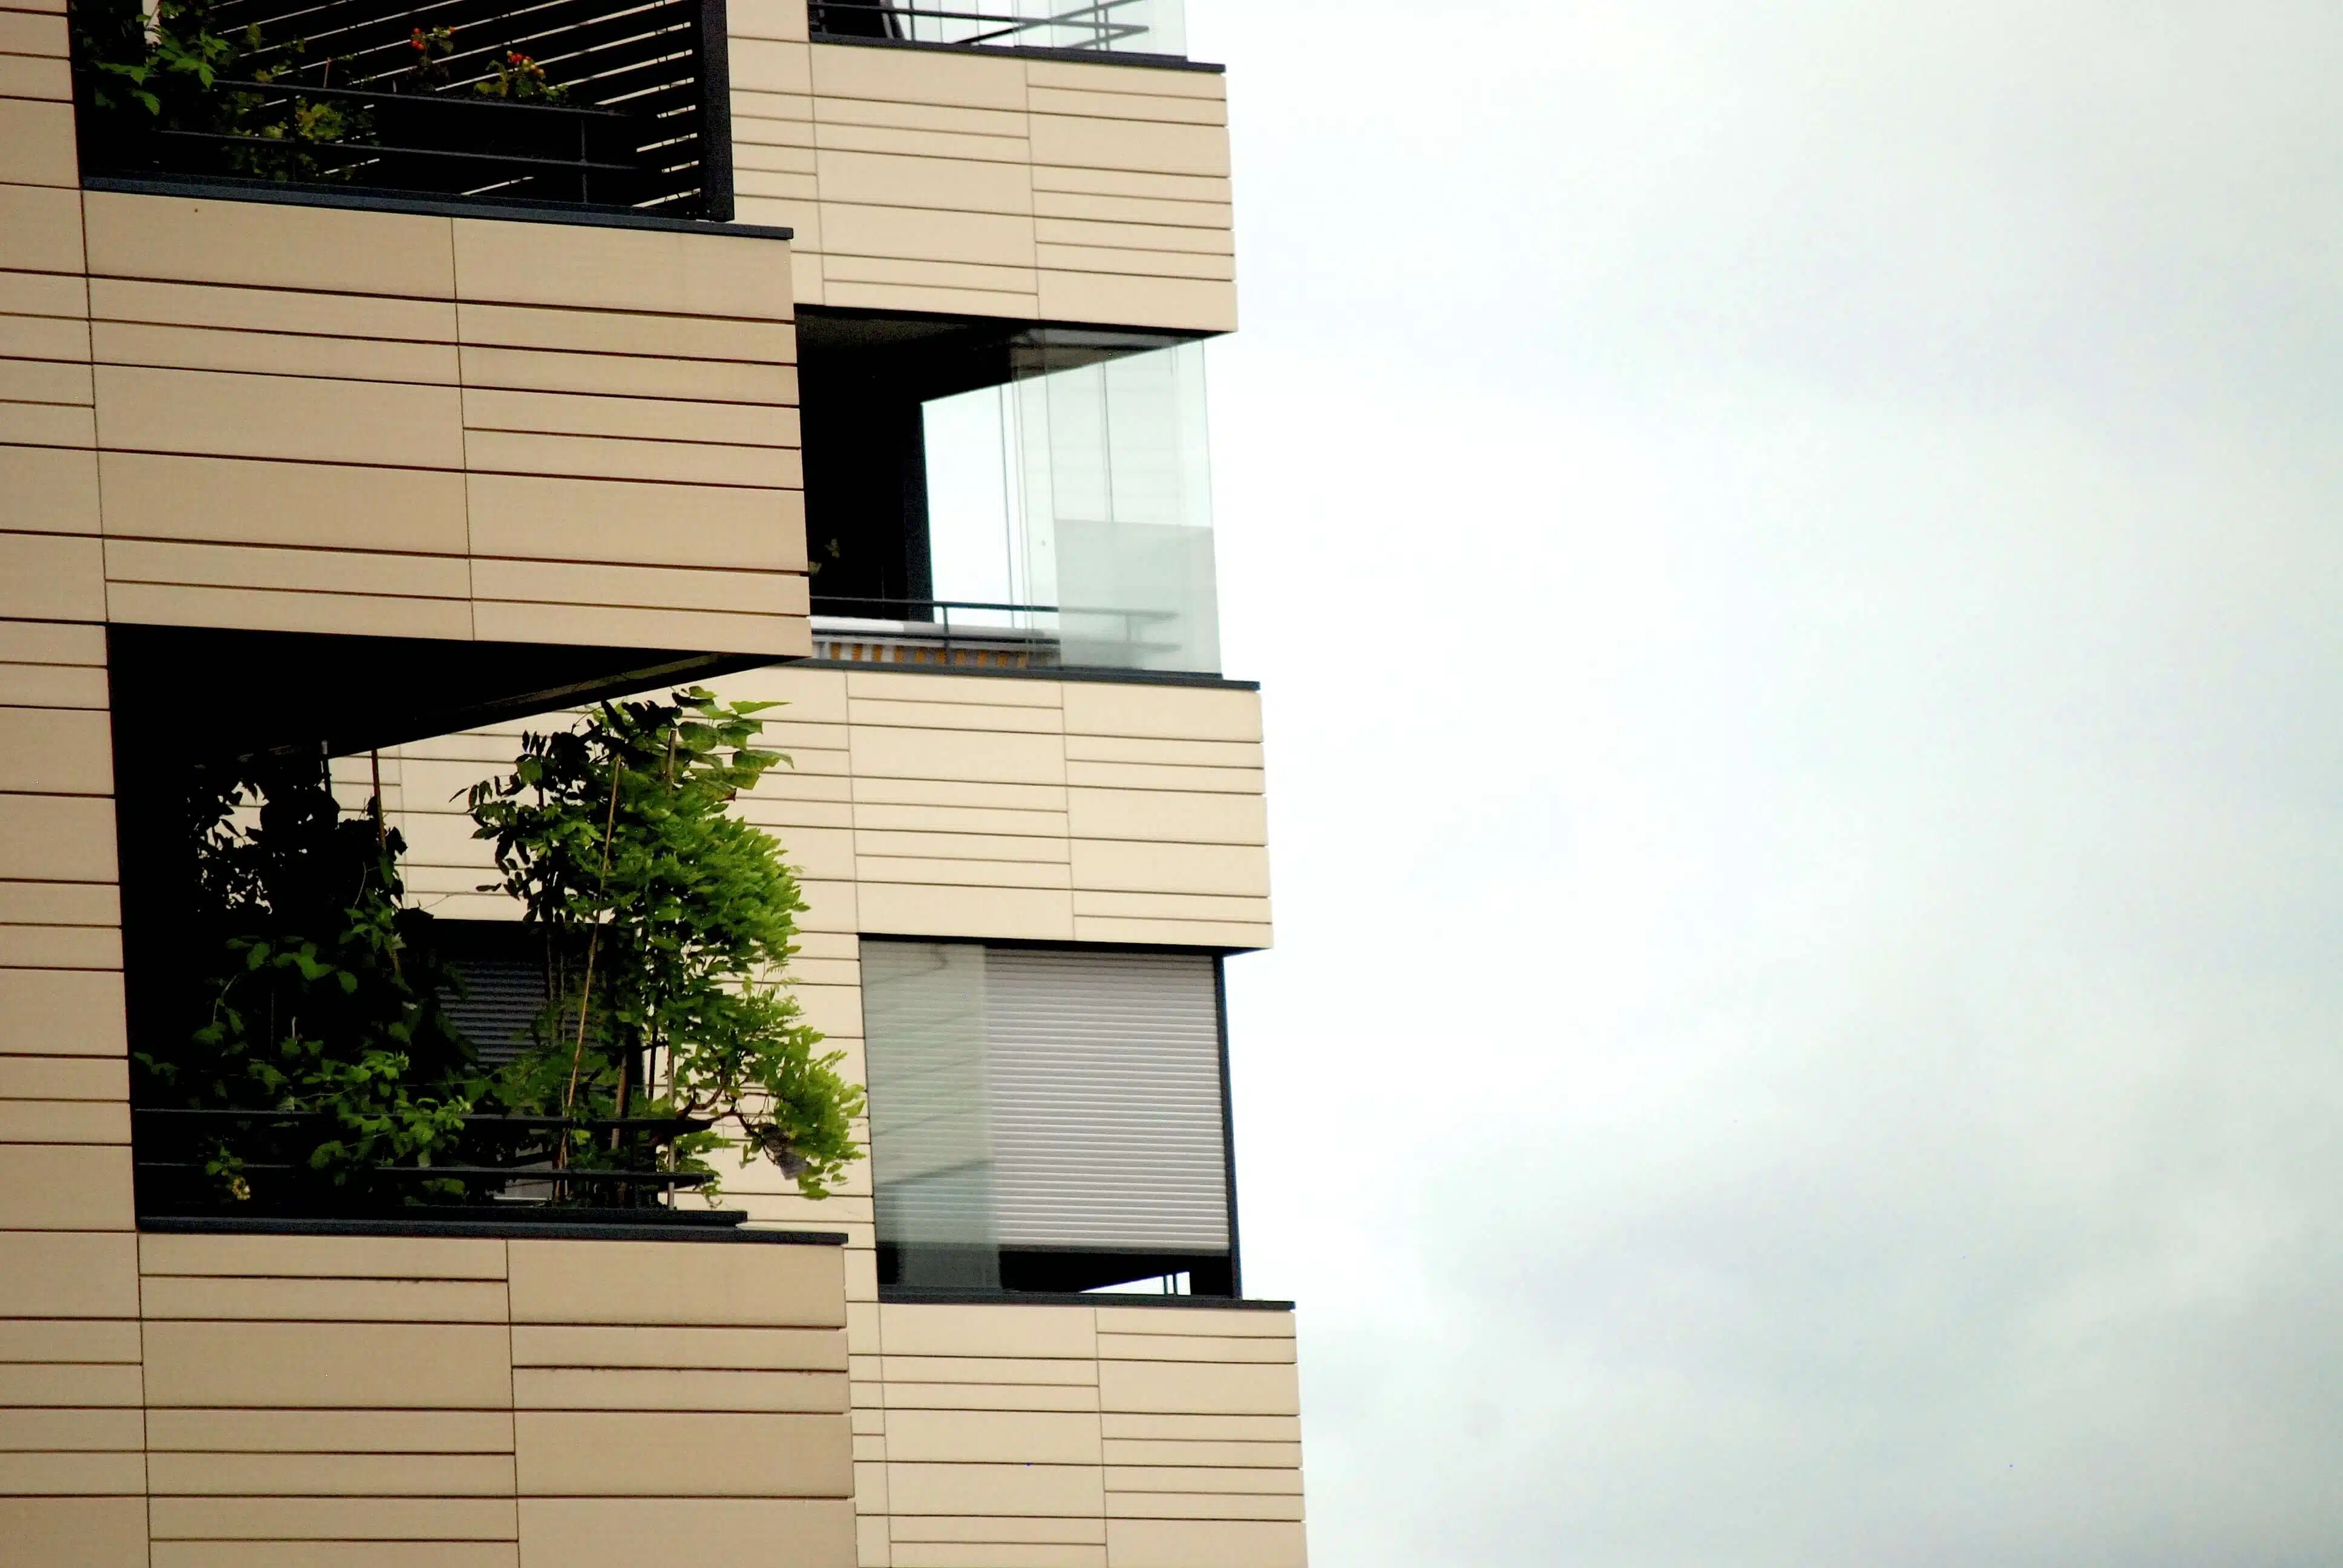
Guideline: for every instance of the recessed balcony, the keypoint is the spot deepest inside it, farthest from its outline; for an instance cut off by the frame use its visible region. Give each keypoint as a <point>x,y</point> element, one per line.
<point>1024,498</point>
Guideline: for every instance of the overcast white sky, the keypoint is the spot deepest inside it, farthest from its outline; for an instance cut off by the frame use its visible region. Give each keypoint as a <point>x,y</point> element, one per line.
<point>1791,554</point>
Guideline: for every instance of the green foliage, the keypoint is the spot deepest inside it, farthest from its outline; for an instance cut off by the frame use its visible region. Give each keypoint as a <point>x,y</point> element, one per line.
<point>518,78</point>
<point>667,924</point>
<point>432,45</point>
<point>319,996</point>
<point>171,71</point>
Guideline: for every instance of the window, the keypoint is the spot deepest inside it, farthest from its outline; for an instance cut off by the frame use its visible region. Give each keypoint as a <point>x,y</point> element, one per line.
<point>1046,1118</point>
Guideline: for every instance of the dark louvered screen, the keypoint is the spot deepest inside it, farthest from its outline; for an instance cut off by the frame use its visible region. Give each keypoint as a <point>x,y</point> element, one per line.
<point>642,118</point>
<point>501,998</point>
<point>501,967</point>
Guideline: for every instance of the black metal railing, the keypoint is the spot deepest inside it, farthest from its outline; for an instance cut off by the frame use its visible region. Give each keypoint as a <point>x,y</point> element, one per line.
<point>506,1164</point>
<point>1100,24</point>
<point>606,104</point>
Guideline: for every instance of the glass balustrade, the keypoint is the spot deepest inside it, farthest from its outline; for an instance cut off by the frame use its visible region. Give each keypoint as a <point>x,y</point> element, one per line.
<point>1118,27</point>
<point>1072,507</point>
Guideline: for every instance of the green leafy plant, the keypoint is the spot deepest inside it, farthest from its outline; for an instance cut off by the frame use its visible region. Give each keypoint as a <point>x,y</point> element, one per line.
<point>430,71</point>
<point>171,70</point>
<point>317,1002</point>
<point>667,923</point>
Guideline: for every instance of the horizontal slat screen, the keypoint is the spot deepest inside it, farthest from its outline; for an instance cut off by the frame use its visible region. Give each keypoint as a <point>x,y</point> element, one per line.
<point>1034,1098</point>
<point>1105,1094</point>
<point>502,996</point>
<point>428,120</point>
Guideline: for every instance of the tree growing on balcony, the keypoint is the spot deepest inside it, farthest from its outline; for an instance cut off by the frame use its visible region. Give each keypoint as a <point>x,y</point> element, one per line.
<point>667,925</point>
<point>315,1004</point>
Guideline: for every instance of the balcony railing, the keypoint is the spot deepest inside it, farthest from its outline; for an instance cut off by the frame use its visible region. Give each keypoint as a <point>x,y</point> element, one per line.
<point>1106,27</point>
<point>603,103</point>
<point>504,1166</point>
<point>972,633</point>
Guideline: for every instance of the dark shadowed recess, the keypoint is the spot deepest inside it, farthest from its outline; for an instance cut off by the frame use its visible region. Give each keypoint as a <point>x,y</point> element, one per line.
<point>643,121</point>
<point>186,698</point>
<point>864,376</point>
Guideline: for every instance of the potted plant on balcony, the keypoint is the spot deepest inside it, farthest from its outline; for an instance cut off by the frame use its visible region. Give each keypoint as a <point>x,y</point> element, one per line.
<point>307,1062</point>
<point>666,923</point>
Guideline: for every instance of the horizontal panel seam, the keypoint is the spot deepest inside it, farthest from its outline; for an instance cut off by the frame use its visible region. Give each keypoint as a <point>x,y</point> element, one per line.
<point>471,428</point>
<point>456,302</point>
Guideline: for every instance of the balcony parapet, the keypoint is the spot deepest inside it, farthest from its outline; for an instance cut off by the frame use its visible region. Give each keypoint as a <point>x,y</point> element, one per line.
<point>610,1225</point>
<point>330,413</point>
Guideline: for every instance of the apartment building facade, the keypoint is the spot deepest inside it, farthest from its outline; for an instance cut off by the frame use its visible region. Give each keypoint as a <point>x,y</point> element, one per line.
<point>413,375</point>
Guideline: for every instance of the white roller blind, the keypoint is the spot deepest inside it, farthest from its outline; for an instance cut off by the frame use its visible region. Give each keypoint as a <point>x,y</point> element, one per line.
<point>1105,1096</point>
<point>1097,1099</point>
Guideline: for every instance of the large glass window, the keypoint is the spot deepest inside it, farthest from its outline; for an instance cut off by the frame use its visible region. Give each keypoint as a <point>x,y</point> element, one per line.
<point>1046,1118</point>
<point>1080,493</point>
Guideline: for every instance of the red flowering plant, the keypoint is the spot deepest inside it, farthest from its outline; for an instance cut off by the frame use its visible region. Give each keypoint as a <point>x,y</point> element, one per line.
<point>520,78</point>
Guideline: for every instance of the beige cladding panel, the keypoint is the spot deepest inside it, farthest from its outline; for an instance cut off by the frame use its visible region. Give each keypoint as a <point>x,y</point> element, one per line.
<point>675,1390</point>
<point>724,1349</point>
<point>641,1453</point>
<point>324,1300</point>
<point>984,1442</point>
<point>586,267</point>
<point>677,1283</point>
<point>1068,1332</point>
<point>50,490</point>
<point>1027,1437</point>
<point>331,1474</point>
<point>72,1340</point>
<point>330,1431</point>
<point>40,228</point>
<point>74,1532</point>
<point>625,1533</point>
<point>328,1365</point>
<point>972,182</point>
<point>62,1011</point>
<point>49,576</point>
<point>87,1275</point>
<point>266,246</point>
<point>336,1554</point>
<point>222,413</point>
<point>323,1257</point>
<point>1204,1543</point>
<point>939,805</point>
<point>335,1519</point>
<point>325,359</point>
<point>293,1418</point>
<point>65,1187</point>
<point>323,507</point>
